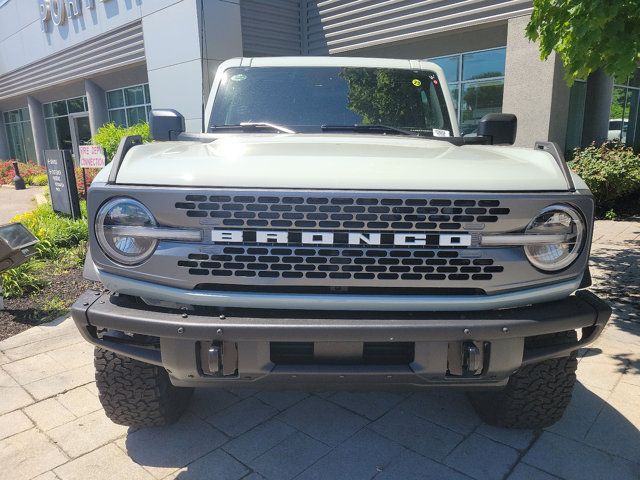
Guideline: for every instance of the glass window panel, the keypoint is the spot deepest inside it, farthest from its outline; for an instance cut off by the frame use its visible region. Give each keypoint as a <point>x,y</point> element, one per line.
<point>450,65</point>
<point>479,99</point>
<point>6,117</point>
<point>632,133</point>
<point>59,108</point>
<point>15,130</point>
<point>48,110</point>
<point>118,117</point>
<point>52,138</point>
<point>486,64</point>
<point>147,94</point>
<point>134,95</point>
<point>29,145</point>
<point>76,105</point>
<point>575,119</point>
<point>115,99</point>
<point>25,115</point>
<point>136,115</point>
<point>455,95</point>
<point>14,116</point>
<point>619,114</point>
<point>10,141</point>
<point>63,133</point>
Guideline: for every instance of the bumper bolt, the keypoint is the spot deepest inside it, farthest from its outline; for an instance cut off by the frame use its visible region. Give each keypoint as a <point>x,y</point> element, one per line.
<point>184,315</point>
<point>505,330</point>
<point>222,317</point>
<point>85,304</point>
<point>180,330</point>
<point>219,331</point>
<point>467,331</point>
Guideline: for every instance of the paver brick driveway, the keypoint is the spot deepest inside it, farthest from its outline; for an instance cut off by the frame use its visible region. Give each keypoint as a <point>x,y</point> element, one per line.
<point>52,425</point>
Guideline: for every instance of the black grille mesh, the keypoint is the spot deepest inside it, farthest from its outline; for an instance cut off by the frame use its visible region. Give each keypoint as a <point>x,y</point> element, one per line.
<point>341,213</point>
<point>340,264</point>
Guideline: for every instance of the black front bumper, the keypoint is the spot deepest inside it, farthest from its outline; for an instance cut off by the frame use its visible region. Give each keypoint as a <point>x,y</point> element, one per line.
<point>174,339</point>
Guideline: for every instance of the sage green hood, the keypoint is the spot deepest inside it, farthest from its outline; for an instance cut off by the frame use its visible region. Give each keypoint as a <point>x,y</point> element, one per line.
<point>341,161</point>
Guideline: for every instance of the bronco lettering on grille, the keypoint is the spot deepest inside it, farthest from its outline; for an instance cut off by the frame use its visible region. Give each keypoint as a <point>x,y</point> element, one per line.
<point>340,238</point>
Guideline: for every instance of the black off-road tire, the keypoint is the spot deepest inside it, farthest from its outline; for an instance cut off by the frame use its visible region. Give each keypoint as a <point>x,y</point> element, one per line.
<point>537,395</point>
<point>137,394</point>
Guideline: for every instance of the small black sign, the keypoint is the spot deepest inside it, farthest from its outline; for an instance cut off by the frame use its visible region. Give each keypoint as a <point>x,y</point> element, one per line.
<point>62,182</point>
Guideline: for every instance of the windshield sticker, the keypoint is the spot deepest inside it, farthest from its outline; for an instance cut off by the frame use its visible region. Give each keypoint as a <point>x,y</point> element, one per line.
<point>441,133</point>
<point>239,77</point>
<point>416,82</point>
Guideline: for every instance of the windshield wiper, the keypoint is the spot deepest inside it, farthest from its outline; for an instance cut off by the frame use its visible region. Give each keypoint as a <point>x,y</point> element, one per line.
<point>249,126</point>
<point>374,128</point>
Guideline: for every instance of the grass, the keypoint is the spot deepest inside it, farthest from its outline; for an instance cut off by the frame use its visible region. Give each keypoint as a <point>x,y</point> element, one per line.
<point>53,308</point>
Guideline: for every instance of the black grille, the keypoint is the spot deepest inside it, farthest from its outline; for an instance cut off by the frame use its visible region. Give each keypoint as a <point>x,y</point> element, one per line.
<point>341,213</point>
<point>340,264</point>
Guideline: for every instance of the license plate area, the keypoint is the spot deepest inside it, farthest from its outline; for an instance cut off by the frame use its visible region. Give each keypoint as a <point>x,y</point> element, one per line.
<point>342,353</point>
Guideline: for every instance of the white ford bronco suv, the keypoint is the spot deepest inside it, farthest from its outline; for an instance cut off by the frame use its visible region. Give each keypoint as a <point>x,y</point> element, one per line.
<point>330,228</point>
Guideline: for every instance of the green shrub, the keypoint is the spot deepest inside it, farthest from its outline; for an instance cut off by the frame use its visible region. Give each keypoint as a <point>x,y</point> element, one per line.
<point>62,244</point>
<point>24,279</point>
<point>612,172</point>
<point>40,180</point>
<point>109,135</point>
<point>611,214</point>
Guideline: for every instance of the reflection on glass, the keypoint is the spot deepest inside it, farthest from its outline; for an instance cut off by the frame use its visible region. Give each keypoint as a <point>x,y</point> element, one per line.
<point>575,119</point>
<point>76,105</point>
<point>115,99</point>
<point>29,145</point>
<point>450,65</point>
<point>52,137</point>
<point>485,64</point>
<point>118,117</point>
<point>147,95</point>
<point>59,108</point>
<point>479,99</point>
<point>63,133</point>
<point>136,115</point>
<point>134,95</point>
<point>306,98</point>
<point>455,96</point>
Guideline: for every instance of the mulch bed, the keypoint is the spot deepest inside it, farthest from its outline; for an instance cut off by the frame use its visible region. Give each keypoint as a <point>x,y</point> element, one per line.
<point>22,313</point>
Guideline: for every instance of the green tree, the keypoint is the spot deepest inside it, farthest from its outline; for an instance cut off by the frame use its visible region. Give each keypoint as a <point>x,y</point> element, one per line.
<point>588,35</point>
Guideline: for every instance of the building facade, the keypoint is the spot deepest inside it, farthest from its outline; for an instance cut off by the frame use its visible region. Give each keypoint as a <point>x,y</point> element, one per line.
<point>69,66</point>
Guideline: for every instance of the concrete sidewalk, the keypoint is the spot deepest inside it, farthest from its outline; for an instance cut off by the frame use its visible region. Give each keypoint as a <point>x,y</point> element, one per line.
<point>52,425</point>
<point>15,202</point>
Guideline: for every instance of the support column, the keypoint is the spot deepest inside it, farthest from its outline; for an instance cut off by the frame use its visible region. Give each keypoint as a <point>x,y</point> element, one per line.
<point>37,127</point>
<point>4,142</point>
<point>534,90</point>
<point>597,109</point>
<point>97,103</point>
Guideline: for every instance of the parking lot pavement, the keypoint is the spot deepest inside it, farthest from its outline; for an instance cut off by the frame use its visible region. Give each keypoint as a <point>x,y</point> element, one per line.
<point>52,426</point>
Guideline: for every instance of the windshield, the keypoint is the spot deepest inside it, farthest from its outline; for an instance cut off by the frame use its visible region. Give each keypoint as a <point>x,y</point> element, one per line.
<point>305,99</point>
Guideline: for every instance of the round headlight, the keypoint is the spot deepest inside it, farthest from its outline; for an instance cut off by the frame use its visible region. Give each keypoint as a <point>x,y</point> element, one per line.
<point>564,222</point>
<point>119,242</point>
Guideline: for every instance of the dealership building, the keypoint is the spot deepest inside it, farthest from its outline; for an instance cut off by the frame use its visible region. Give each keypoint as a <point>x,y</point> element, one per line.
<point>69,66</point>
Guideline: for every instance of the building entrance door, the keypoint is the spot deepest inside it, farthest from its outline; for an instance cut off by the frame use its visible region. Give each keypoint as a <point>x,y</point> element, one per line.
<point>80,133</point>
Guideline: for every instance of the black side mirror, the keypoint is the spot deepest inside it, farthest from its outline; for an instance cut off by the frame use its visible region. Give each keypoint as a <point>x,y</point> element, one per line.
<point>499,128</point>
<point>165,124</point>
